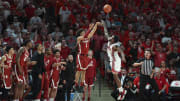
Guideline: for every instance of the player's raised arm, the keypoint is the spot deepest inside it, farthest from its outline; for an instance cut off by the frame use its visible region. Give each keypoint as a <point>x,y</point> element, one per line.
<point>105,29</point>
<point>93,30</point>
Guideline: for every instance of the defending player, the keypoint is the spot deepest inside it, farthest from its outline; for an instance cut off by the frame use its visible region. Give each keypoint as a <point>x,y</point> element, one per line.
<point>113,51</point>
<point>83,42</point>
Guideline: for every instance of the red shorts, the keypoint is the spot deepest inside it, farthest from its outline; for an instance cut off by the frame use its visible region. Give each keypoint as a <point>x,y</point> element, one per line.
<point>82,62</point>
<point>55,79</point>
<point>7,81</point>
<point>19,78</point>
<point>89,81</point>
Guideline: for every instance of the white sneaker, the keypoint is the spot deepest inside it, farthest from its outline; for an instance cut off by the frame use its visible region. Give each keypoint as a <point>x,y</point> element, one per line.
<point>122,94</point>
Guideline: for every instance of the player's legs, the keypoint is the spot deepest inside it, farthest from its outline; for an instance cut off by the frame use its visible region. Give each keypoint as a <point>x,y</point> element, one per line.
<point>84,94</point>
<point>46,88</point>
<point>89,92</point>
<point>53,93</point>
<point>21,92</point>
<point>18,91</point>
<point>115,70</point>
<point>54,87</point>
<point>77,77</point>
<point>82,77</point>
<point>117,80</point>
<point>28,89</point>
<point>81,64</point>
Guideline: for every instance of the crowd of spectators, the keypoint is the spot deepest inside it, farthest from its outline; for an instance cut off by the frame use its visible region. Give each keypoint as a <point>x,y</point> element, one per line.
<point>140,24</point>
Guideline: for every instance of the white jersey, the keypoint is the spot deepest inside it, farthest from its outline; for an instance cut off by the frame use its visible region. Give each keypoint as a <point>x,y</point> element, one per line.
<point>114,58</point>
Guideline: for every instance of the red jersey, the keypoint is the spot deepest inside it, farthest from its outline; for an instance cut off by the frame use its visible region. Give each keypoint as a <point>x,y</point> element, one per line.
<point>8,61</point>
<point>65,51</point>
<point>161,81</point>
<point>7,72</point>
<point>48,63</point>
<point>55,73</point>
<point>56,70</point>
<point>137,81</point>
<point>23,58</point>
<point>84,46</point>
<point>91,71</point>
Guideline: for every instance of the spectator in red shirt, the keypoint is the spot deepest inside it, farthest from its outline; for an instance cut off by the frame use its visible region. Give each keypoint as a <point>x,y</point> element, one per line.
<point>160,55</point>
<point>65,51</point>
<point>162,84</point>
<point>147,44</point>
<point>136,81</point>
<point>30,9</point>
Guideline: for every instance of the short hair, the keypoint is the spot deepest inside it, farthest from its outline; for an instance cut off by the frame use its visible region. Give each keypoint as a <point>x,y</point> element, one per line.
<point>37,45</point>
<point>148,50</point>
<point>79,31</point>
<point>8,48</point>
<point>55,51</point>
<point>26,42</point>
<point>47,49</point>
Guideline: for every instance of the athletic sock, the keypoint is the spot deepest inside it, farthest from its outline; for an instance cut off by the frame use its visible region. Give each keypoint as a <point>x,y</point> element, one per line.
<point>76,84</point>
<point>120,89</point>
<point>51,99</point>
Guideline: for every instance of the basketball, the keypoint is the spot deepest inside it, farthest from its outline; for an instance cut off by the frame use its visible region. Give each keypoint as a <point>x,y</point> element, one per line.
<point>107,8</point>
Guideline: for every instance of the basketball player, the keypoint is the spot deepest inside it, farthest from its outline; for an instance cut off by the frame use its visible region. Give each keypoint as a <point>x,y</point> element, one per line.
<point>22,62</point>
<point>113,50</point>
<point>48,59</point>
<point>83,42</point>
<point>90,75</point>
<point>6,65</point>
<point>56,69</point>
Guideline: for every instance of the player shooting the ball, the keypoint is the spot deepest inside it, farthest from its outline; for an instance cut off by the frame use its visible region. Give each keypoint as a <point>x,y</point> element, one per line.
<point>83,42</point>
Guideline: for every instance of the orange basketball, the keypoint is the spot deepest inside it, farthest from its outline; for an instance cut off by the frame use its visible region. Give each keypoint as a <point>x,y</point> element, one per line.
<point>107,8</point>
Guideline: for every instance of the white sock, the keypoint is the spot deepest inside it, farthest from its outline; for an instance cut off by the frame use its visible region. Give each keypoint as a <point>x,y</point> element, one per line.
<point>15,100</point>
<point>45,100</point>
<point>36,100</point>
<point>120,89</point>
<point>51,99</point>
